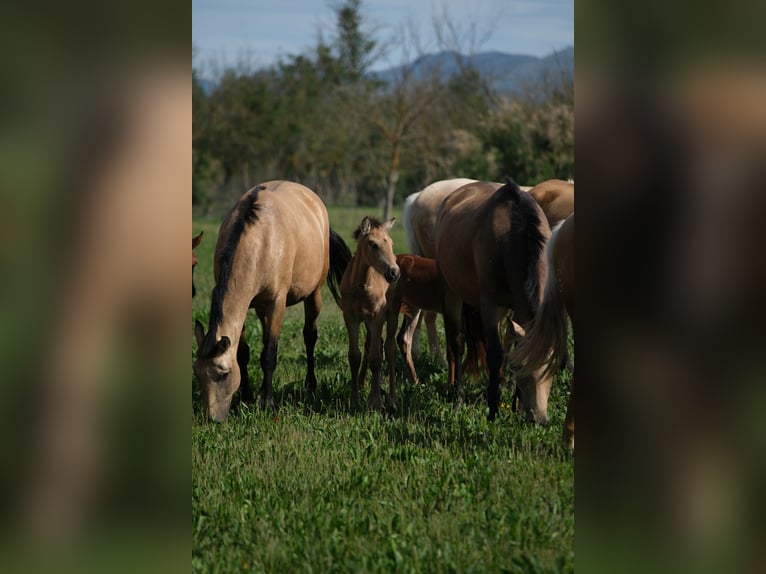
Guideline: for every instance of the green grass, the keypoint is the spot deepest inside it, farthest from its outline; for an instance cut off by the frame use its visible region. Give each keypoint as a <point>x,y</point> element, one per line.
<point>316,487</point>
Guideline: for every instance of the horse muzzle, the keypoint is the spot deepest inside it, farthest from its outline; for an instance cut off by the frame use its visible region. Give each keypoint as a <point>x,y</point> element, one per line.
<point>392,274</point>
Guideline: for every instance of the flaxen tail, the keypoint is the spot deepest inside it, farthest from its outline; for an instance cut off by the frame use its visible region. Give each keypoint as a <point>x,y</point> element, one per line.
<point>340,257</point>
<point>545,344</point>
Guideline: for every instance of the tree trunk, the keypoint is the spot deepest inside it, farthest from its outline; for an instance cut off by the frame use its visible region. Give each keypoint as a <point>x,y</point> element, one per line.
<point>393,178</point>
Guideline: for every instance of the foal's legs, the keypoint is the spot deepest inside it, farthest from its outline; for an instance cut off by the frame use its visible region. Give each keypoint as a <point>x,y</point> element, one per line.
<point>271,321</point>
<point>354,356</point>
<point>311,308</point>
<point>392,317</point>
<point>433,335</point>
<point>404,339</point>
<point>375,359</point>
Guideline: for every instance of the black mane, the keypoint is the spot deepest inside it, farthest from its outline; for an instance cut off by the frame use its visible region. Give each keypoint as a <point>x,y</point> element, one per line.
<point>248,215</point>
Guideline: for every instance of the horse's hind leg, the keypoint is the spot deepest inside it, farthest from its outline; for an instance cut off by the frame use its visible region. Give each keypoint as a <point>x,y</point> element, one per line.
<point>453,316</point>
<point>404,340</point>
<point>390,346</point>
<point>433,336</point>
<point>243,358</point>
<point>311,308</point>
<point>490,317</point>
<point>271,321</point>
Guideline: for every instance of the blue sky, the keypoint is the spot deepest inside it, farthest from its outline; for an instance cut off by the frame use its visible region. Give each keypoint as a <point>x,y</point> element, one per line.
<point>259,31</point>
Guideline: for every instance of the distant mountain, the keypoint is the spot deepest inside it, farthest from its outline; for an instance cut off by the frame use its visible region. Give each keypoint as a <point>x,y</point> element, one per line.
<point>506,72</point>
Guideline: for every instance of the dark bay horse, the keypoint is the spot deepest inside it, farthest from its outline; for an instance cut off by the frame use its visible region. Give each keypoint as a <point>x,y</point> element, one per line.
<point>274,249</point>
<point>489,253</point>
<point>195,241</point>
<point>545,345</point>
<point>555,197</point>
<point>369,296</point>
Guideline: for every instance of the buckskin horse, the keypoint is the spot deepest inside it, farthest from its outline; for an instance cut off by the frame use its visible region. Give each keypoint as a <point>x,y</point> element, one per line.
<point>274,250</point>
<point>489,254</point>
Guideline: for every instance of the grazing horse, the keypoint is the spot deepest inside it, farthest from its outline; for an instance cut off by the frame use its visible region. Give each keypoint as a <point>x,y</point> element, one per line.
<point>195,241</point>
<point>545,345</point>
<point>420,225</point>
<point>420,290</point>
<point>556,197</point>
<point>369,296</point>
<point>489,254</point>
<point>274,250</point>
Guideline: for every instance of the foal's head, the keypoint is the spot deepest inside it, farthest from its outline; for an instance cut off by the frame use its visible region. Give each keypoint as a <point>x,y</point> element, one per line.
<point>375,247</point>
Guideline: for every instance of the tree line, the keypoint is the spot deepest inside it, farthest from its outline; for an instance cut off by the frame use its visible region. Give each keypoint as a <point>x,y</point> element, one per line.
<point>322,119</point>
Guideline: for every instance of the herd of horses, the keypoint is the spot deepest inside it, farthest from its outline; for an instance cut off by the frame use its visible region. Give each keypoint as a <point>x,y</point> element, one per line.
<point>481,254</point>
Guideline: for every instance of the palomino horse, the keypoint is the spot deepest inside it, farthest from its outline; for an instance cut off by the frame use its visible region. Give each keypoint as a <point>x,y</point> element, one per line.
<point>369,295</point>
<point>556,197</point>
<point>274,249</point>
<point>420,225</point>
<point>489,246</point>
<point>545,345</point>
<point>195,242</point>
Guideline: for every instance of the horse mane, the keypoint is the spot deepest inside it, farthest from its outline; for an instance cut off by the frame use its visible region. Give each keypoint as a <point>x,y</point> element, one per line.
<point>247,215</point>
<point>526,217</point>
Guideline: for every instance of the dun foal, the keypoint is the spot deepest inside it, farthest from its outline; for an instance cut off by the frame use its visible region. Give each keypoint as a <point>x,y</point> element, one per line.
<point>369,296</point>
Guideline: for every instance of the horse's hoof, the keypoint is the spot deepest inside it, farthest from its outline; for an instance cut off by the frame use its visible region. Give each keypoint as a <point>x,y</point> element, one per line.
<point>268,404</point>
<point>374,404</point>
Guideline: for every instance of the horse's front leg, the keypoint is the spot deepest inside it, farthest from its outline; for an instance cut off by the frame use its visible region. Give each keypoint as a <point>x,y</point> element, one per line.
<point>354,356</point>
<point>375,360</point>
<point>490,317</point>
<point>243,358</point>
<point>311,308</point>
<point>271,321</point>
<point>392,319</point>
<point>453,317</point>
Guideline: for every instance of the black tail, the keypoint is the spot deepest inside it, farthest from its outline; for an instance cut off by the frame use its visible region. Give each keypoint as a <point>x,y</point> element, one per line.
<point>527,217</point>
<point>340,257</point>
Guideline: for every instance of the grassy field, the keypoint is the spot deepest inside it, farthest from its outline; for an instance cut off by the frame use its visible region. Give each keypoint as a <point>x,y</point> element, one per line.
<point>314,487</point>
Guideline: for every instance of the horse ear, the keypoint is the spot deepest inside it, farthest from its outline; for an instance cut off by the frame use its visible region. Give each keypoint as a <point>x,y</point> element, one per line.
<point>196,240</point>
<point>366,226</point>
<point>221,346</point>
<point>389,224</point>
<point>199,332</point>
